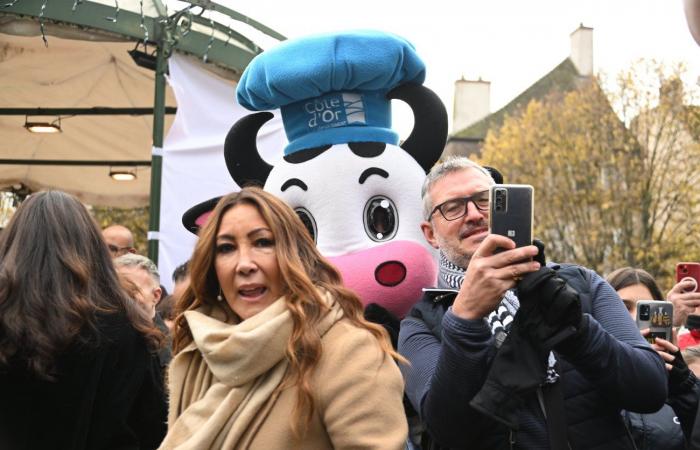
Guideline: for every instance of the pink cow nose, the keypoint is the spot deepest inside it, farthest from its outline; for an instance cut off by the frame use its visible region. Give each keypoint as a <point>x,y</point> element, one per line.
<point>390,273</point>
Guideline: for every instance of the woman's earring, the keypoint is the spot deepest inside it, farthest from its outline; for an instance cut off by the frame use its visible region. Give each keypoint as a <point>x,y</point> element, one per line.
<point>220,297</point>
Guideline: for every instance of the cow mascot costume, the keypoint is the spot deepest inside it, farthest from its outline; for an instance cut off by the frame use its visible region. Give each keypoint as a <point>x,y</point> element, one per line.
<point>344,172</point>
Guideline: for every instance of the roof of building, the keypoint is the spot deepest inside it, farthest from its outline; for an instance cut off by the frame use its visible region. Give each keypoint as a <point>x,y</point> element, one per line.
<point>563,78</point>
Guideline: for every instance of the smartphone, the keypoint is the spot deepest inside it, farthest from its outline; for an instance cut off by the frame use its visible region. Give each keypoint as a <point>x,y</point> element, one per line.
<point>688,271</point>
<point>657,316</point>
<point>511,210</point>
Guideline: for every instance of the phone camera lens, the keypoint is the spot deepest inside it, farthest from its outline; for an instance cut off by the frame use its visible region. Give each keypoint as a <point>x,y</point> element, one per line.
<point>644,311</point>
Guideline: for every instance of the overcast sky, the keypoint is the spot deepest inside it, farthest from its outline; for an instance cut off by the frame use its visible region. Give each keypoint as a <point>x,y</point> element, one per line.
<point>511,43</point>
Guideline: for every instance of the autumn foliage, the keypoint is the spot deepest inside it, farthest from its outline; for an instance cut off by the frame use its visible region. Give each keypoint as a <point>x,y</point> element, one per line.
<point>615,171</point>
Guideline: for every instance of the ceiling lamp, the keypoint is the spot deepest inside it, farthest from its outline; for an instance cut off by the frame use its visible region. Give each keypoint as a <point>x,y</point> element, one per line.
<point>43,127</point>
<point>120,174</point>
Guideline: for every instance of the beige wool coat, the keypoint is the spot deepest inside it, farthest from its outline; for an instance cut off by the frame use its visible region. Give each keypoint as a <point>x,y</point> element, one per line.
<point>358,393</point>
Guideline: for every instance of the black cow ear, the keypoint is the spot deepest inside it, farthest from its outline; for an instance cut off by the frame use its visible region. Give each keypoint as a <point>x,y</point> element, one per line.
<point>495,174</point>
<point>241,150</point>
<point>190,217</point>
<point>427,140</point>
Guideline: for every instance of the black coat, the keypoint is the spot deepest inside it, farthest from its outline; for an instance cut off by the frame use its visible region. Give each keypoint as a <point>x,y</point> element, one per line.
<point>106,395</point>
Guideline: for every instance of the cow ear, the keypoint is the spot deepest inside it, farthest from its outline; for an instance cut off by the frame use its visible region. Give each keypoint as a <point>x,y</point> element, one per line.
<point>495,174</point>
<point>241,150</point>
<point>427,140</point>
<point>195,217</point>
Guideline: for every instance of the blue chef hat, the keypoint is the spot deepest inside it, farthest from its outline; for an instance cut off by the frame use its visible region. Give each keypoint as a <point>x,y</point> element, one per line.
<point>331,88</point>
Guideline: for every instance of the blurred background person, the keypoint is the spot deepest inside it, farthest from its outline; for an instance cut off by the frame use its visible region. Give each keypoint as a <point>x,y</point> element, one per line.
<point>119,240</point>
<point>166,310</point>
<point>272,351</point>
<point>691,356</point>
<point>670,427</point>
<point>181,279</point>
<point>143,273</point>
<point>77,369</point>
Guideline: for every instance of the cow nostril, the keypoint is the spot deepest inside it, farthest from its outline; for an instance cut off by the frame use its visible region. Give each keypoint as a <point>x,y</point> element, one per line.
<point>390,273</point>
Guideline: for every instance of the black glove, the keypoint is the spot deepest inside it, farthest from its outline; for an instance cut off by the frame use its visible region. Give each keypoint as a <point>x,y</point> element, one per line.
<point>552,308</point>
<point>539,257</point>
<point>680,378</point>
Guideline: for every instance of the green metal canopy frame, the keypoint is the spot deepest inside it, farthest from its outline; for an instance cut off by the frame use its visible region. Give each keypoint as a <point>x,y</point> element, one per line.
<point>195,29</point>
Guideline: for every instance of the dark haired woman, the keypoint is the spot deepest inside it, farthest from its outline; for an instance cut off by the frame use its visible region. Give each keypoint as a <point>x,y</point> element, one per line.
<point>670,427</point>
<point>273,352</point>
<point>77,369</point>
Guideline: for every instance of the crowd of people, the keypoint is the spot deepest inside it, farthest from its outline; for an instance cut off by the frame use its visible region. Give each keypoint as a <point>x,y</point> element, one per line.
<point>261,346</point>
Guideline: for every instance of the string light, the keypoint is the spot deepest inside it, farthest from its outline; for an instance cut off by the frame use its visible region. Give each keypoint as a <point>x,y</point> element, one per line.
<point>228,31</point>
<point>211,40</point>
<point>41,23</point>
<point>76,3</point>
<point>116,13</point>
<point>12,3</point>
<point>143,27</point>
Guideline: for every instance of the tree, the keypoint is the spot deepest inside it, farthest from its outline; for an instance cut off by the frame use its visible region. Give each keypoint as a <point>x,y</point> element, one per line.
<point>614,172</point>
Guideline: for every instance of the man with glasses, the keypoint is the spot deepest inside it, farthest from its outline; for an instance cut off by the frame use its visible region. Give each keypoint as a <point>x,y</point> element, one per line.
<point>119,240</point>
<point>468,352</point>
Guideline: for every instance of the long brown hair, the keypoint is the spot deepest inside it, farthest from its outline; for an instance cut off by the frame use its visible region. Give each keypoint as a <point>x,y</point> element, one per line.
<point>56,274</point>
<point>303,272</point>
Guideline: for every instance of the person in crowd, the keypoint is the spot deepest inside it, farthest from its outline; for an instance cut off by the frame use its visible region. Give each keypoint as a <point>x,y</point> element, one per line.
<point>143,273</point>
<point>272,350</point>
<point>77,364</point>
<point>119,240</point>
<point>633,285</point>
<point>506,341</point>
<point>181,279</point>
<point>669,427</point>
<point>691,356</point>
<point>166,310</point>
<point>166,307</point>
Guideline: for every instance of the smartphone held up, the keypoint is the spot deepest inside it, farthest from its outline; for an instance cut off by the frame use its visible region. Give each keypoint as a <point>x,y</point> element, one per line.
<point>689,272</point>
<point>656,315</point>
<point>511,211</point>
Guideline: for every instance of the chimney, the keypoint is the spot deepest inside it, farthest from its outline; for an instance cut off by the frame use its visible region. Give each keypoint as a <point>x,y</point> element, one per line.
<point>582,50</point>
<point>471,102</point>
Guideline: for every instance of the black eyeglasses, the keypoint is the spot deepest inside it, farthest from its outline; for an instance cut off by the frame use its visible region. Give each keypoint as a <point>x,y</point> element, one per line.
<point>457,207</point>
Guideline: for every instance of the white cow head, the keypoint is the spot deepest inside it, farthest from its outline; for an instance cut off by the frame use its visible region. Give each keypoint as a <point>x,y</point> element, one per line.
<point>360,200</point>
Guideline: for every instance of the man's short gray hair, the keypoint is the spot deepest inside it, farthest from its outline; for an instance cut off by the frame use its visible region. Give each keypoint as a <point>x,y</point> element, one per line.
<point>439,170</point>
<point>140,262</point>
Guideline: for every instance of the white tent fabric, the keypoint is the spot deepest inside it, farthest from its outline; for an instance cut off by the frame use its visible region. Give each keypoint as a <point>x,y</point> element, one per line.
<point>193,162</point>
<point>76,74</point>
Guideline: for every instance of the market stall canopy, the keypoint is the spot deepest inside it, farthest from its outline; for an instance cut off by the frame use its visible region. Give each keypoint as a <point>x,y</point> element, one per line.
<point>86,82</point>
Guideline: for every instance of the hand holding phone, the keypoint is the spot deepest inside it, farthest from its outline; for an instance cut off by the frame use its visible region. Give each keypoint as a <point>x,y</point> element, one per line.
<point>689,274</point>
<point>658,317</point>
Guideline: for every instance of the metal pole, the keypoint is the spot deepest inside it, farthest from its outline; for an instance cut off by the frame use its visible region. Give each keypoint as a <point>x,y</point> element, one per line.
<point>156,157</point>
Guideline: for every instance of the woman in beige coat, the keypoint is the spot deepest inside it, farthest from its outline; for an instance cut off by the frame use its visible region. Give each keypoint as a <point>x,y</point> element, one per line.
<point>273,353</point>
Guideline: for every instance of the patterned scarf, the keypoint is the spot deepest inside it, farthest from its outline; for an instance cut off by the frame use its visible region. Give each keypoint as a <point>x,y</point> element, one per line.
<point>451,276</point>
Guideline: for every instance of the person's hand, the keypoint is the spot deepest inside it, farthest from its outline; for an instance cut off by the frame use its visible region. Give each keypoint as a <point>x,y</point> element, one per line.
<point>490,275</point>
<point>684,303</point>
<point>680,377</point>
<point>664,348</point>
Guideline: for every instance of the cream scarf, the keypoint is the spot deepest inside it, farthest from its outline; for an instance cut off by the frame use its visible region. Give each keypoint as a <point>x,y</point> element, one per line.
<point>223,383</point>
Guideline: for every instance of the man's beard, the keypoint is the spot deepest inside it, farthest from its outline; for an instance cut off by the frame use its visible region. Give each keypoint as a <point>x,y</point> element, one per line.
<point>454,253</point>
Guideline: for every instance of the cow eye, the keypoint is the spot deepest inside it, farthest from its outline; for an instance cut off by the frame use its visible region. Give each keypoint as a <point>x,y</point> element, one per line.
<point>308,220</point>
<point>380,218</point>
